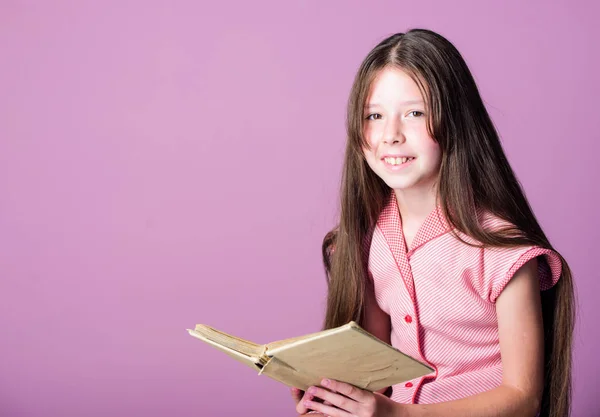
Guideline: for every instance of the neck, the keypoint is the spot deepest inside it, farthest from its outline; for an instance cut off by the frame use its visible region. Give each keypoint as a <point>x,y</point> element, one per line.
<point>415,205</point>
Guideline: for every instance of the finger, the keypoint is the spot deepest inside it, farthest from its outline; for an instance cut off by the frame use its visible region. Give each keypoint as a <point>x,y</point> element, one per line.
<point>348,390</point>
<point>300,407</point>
<point>326,410</point>
<point>334,399</point>
<point>297,394</point>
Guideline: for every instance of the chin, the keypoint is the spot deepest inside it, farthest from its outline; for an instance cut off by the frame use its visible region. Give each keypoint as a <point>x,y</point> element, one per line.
<point>400,185</point>
<point>398,181</point>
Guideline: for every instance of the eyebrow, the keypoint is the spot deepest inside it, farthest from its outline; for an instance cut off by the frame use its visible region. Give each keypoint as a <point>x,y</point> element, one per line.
<point>405,103</point>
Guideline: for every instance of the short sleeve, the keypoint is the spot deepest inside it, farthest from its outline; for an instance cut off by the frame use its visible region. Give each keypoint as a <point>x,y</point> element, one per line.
<point>501,264</point>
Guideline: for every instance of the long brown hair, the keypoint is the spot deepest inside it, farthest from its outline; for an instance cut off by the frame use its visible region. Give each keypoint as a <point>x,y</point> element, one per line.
<point>474,173</point>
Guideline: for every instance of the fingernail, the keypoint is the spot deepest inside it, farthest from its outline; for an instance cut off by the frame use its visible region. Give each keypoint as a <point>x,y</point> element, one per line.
<point>307,403</point>
<point>325,382</point>
<point>309,397</point>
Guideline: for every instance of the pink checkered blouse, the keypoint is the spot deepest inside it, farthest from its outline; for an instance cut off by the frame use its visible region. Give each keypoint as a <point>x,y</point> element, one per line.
<point>441,298</point>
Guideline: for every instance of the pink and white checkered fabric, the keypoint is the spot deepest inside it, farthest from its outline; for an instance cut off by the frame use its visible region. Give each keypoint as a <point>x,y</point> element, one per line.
<point>440,295</point>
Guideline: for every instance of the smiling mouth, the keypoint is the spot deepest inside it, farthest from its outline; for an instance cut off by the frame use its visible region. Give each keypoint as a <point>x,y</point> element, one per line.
<point>398,161</point>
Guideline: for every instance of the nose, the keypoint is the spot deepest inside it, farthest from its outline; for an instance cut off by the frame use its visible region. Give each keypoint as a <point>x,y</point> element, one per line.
<point>392,132</point>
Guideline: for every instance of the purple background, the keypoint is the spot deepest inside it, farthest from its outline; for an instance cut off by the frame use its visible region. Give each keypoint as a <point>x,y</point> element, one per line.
<point>164,164</point>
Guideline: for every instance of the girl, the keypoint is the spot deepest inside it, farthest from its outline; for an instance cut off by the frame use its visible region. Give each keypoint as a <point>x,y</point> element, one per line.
<point>437,251</point>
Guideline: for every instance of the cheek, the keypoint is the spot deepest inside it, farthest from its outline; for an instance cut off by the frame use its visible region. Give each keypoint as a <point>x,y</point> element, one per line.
<point>371,139</point>
<point>370,157</point>
<point>432,150</point>
<point>435,158</point>
<point>372,135</point>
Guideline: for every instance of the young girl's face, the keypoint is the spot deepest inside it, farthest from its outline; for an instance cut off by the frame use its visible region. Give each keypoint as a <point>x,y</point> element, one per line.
<point>402,153</point>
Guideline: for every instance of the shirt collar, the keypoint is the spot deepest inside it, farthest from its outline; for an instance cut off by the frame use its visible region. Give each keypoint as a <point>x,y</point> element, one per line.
<point>390,223</point>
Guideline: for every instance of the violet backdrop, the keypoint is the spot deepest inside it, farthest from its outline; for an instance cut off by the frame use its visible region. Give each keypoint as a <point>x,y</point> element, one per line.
<point>167,163</point>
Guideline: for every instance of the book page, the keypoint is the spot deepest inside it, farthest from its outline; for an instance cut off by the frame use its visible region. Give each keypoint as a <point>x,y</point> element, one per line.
<point>273,346</point>
<point>230,342</point>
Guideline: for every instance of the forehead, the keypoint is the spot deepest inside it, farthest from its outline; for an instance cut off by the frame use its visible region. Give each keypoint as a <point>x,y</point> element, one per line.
<point>392,87</point>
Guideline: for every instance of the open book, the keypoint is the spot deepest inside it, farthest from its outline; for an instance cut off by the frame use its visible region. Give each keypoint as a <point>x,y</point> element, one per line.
<point>347,353</point>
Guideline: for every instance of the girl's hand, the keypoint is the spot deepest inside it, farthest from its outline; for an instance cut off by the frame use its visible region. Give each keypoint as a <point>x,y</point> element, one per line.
<point>348,401</point>
<point>297,396</point>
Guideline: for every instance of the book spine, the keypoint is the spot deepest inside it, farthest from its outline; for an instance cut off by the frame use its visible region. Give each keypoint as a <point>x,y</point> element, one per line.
<point>282,372</point>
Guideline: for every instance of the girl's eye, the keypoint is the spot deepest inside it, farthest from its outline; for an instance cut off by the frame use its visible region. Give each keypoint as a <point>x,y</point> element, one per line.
<point>419,113</point>
<point>371,116</point>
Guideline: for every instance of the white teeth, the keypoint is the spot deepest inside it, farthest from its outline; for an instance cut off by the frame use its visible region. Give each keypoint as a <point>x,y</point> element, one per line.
<point>397,161</point>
